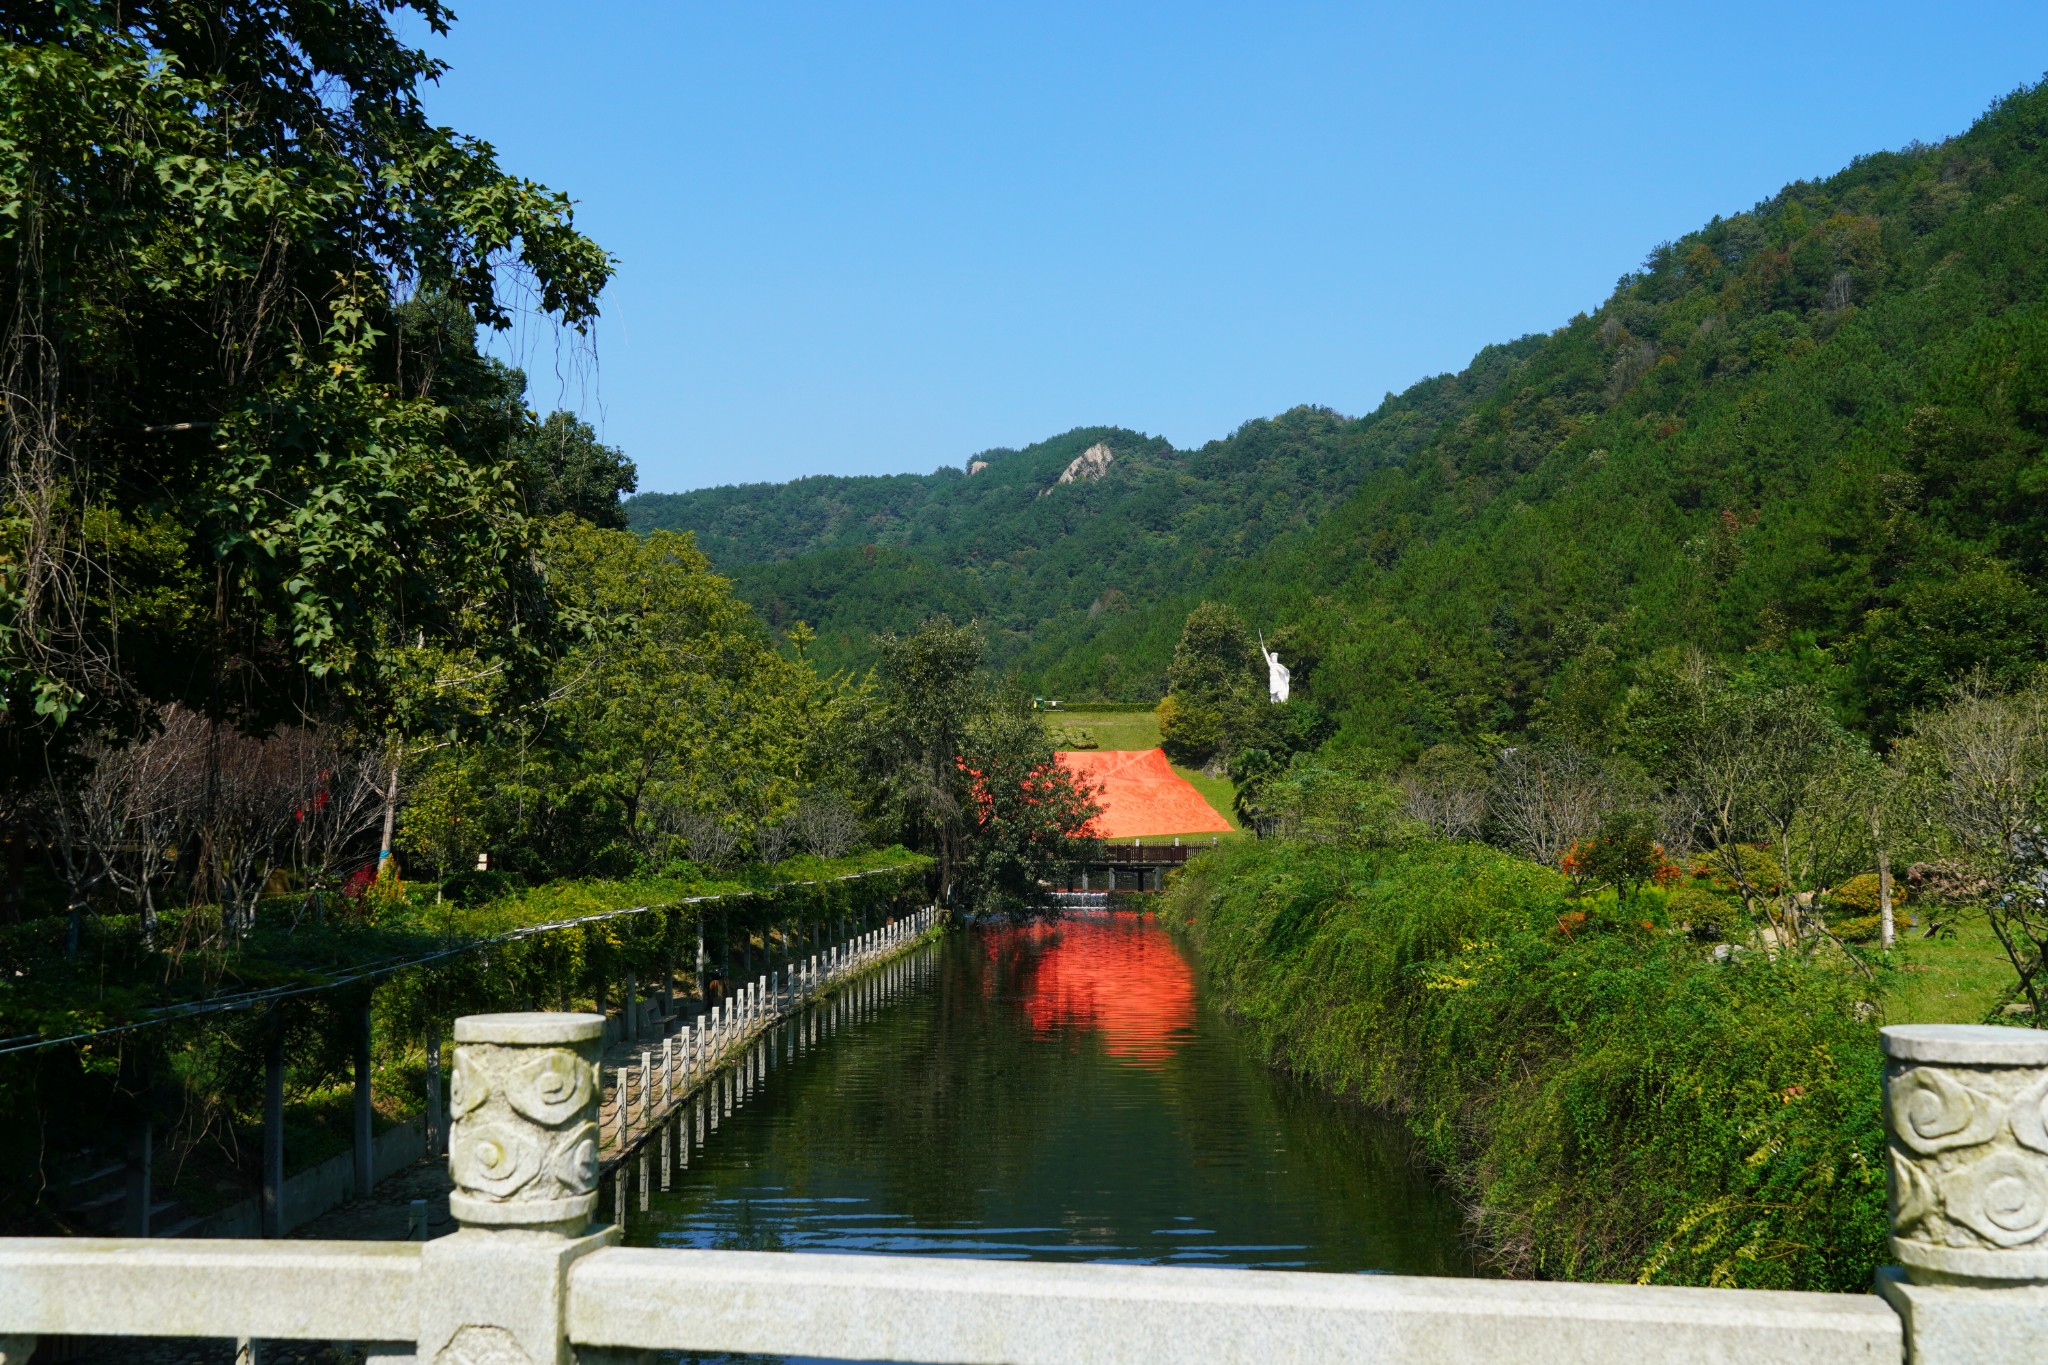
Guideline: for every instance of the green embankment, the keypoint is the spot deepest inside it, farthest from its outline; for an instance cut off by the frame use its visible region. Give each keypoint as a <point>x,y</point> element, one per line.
<point>1140,730</point>
<point>1614,1105</point>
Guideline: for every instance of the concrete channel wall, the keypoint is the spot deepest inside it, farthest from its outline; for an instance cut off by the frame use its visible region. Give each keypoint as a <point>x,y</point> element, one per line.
<point>327,1186</point>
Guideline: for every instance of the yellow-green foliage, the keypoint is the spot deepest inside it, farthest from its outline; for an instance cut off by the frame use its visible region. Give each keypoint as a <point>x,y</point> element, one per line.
<point>1859,894</point>
<point>677,709</point>
<point>1756,867</point>
<point>1615,1105</point>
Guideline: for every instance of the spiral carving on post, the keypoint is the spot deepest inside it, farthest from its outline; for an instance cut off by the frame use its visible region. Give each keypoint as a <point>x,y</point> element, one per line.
<point>523,1100</point>
<point>1966,1110</point>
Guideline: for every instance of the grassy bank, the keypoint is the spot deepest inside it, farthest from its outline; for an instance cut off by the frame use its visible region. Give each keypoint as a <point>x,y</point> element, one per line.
<point>1613,1105</point>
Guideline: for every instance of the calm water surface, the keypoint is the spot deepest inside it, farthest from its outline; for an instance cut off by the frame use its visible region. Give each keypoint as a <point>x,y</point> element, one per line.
<point>1052,1092</point>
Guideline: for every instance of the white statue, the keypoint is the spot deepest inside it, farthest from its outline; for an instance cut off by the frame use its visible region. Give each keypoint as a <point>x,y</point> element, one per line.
<point>1276,672</point>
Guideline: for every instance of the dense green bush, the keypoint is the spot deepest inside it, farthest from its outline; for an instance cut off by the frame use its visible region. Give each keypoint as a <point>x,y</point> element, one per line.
<point>1614,1106</point>
<point>475,888</point>
<point>1707,915</point>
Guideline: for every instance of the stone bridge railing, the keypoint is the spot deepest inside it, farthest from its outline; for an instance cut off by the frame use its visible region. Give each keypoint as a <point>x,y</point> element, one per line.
<point>527,1279</point>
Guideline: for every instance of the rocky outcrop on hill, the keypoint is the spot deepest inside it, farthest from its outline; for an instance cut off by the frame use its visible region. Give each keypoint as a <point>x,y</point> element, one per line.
<point>1091,463</point>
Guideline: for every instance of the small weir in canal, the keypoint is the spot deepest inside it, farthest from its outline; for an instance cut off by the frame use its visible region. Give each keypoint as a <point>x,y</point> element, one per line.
<point>1054,1091</point>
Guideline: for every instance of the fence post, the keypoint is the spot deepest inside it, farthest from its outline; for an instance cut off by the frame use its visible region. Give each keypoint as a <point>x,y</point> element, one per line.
<point>273,1125</point>
<point>523,1097</point>
<point>365,1150</point>
<point>1966,1115</point>
<point>136,1198</point>
<point>436,1125</point>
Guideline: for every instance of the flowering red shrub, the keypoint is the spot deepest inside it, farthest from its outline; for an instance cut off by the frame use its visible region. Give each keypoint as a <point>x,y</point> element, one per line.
<point>359,882</point>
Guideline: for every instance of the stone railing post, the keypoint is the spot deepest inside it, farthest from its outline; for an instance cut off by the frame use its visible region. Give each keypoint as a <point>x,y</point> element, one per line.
<point>523,1103</point>
<point>1966,1115</point>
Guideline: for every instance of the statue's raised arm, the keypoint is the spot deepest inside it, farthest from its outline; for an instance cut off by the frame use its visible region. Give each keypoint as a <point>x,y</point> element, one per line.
<point>1277,676</point>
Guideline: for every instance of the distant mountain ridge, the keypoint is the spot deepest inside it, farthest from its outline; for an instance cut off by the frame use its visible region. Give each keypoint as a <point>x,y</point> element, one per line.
<point>1807,442</point>
<point>751,523</point>
<point>1034,557</point>
<point>1809,439</point>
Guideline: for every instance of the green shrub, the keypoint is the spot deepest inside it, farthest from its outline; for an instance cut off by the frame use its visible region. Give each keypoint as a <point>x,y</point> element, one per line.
<point>1857,928</point>
<point>474,888</point>
<point>1860,893</point>
<point>1758,868</point>
<point>1614,1106</point>
<point>1709,916</point>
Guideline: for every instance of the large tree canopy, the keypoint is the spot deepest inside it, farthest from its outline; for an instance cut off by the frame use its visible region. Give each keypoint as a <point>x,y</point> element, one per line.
<point>252,457</point>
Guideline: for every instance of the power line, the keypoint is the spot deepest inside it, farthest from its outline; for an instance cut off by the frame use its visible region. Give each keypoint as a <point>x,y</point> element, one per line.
<point>245,1000</point>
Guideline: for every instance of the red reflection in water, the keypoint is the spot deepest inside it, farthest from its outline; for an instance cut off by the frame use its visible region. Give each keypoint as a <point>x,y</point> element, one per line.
<point>1117,977</point>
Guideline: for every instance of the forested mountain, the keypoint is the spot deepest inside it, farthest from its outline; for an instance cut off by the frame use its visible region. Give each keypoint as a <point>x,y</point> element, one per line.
<point>1810,434</point>
<point>1038,560</point>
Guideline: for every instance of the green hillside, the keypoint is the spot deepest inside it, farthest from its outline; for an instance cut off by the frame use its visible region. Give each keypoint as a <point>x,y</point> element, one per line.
<point>1047,565</point>
<point>1812,430</point>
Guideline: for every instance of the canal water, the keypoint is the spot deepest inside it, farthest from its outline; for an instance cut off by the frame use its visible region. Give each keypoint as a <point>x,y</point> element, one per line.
<point>1052,1092</point>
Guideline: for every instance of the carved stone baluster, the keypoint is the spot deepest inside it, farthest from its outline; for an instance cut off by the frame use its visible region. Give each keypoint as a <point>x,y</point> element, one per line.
<point>1966,1114</point>
<point>523,1153</point>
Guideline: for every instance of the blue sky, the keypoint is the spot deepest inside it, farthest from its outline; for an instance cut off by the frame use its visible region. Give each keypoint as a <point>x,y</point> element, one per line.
<point>880,238</point>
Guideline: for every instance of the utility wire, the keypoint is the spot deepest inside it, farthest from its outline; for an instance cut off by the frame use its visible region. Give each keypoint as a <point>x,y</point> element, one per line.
<point>245,1000</point>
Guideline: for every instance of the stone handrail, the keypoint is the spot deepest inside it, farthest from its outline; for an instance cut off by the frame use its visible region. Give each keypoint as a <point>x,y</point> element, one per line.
<point>528,1280</point>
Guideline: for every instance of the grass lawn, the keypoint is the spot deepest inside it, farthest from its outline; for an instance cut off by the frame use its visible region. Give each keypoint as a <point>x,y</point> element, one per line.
<point>1111,729</point>
<point>1140,730</point>
<point>1949,980</point>
<point>1219,792</point>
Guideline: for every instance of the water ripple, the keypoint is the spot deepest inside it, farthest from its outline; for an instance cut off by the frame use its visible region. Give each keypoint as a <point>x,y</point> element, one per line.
<point>1048,1093</point>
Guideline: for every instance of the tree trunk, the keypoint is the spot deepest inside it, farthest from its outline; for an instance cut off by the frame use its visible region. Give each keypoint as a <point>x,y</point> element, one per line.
<point>273,1128</point>
<point>1794,930</point>
<point>390,821</point>
<point>17,870</point>
<point>1884,897</point>
<point>365,1105</point>
<point>436,1136</point>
